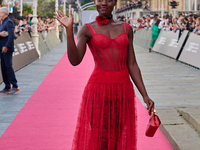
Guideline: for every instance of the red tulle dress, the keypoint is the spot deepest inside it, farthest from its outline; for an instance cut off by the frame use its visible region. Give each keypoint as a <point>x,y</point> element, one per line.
<point>107,115</point>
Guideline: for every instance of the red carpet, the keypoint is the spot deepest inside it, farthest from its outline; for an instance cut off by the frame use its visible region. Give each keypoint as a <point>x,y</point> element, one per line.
<point>48,120</point>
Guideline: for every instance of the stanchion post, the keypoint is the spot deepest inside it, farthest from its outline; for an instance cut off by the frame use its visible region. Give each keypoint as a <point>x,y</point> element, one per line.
<point>35,21</point>
<point>21,7</point>
<point>57,30</point>
<point>70,6</point>
<point>64,7</point>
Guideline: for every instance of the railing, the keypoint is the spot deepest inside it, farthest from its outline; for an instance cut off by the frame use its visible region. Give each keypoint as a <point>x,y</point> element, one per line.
<point>186,49</point>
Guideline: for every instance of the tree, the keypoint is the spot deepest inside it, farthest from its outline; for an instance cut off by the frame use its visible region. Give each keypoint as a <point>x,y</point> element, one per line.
<point>27,9</point>
<point>47,8</point>
<point>91,8</point>
<point>86,1</point>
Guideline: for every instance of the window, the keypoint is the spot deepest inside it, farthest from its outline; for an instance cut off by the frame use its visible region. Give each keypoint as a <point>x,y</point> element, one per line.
<point>198,4</point>
<point>187,5</point>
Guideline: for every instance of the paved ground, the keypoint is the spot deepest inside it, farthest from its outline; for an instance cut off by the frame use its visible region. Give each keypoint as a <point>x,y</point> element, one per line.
<point>172,85</point>
<point>168,82</point>
<point>29,78</point>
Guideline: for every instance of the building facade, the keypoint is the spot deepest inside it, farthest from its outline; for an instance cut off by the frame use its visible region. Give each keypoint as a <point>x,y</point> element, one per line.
<point>155,5</point>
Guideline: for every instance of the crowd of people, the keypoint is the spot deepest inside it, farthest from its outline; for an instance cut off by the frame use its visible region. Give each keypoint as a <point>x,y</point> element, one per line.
<point>190,22</point>
<point>24,23</point>
<point>179,23</point>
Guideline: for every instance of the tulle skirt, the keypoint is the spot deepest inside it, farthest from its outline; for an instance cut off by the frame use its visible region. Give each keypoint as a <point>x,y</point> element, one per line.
<point>107,115</point>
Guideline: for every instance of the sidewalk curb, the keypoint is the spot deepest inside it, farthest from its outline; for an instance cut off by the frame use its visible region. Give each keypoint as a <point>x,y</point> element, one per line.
<point>190,120</point>
<point>169,138</point>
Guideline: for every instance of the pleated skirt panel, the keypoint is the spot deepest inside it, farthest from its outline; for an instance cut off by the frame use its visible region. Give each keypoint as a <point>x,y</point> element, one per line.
<point>107,118</point>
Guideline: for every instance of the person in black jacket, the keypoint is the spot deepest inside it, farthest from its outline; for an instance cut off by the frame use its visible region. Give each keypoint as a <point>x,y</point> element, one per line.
<point>187,25</point>
<point>15,11</point>
<point>6,51</point>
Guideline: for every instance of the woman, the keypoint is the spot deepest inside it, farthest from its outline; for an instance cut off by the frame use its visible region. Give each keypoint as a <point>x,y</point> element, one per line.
<point>107,116</point>
<point>197,28</point>
<point>139,24</point>
<point>155,33</point>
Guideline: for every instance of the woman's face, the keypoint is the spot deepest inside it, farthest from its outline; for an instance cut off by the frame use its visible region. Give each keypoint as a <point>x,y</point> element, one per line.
<point>197,22</point>
<point>105,7</point>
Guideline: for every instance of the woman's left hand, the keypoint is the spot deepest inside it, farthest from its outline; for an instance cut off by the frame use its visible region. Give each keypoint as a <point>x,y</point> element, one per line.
<point>149,102</point>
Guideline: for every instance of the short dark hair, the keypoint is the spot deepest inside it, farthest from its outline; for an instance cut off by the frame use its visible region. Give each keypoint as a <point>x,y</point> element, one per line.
<point>18,18</point>
<point>156,15</point>
<point>157,22</point>
<point>195,16</point>
<point>186,18</point>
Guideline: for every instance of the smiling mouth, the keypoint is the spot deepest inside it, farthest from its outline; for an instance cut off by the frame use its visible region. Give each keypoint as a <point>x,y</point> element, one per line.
<point>104,8</point>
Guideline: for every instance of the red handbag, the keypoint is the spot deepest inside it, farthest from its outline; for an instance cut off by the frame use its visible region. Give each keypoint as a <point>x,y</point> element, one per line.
<point>154,123</point>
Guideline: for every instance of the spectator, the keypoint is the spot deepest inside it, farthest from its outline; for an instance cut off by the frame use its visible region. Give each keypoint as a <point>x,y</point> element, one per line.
<point>119,18</point>
<point>147,7</point>
<point>152,20</point>
<point>187,24</point>
<point>166,25</point>
<point>197,28</point>
<point>147,21</point>
<point>139,24</point>
<point>15,10</point>
<point>192,23</point>
<point>175,25</point>
<point>30,21</point>
<point>128,20</point>
<point>123,19</point>
<point>155,32</point>
<point>144,25</point>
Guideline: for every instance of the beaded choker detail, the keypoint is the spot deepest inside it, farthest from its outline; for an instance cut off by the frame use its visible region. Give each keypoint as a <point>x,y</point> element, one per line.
<point>102,20</point>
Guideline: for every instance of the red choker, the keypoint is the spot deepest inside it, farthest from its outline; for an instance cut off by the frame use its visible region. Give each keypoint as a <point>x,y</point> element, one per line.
<point>101,20</point>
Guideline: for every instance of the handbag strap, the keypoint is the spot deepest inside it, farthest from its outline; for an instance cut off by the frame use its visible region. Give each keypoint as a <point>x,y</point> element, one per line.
<point>153,111</point>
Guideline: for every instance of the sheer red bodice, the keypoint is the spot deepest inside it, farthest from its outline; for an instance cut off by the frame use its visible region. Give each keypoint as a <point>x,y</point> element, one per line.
<point>107,118</point>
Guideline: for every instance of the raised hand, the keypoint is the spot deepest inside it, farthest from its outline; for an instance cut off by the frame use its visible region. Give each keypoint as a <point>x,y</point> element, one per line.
<point>64,20</point>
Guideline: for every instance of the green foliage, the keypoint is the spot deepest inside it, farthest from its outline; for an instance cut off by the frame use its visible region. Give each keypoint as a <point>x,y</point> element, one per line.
<point>46,8</point>
<point>91,8</point>
<point>86,1</point>
<point>49,14</point>
<point>67,13</point>
<point>27,9</point>
<point>39,13</point>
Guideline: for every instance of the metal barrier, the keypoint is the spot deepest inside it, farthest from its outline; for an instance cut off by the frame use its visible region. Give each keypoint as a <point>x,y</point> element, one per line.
<point>24,52</point>
<point>52,39</point>
<point>43,47</point>
<point>191,51</point>
<point>142,38</point>
<point>168,43</point>
<point>186,49</point>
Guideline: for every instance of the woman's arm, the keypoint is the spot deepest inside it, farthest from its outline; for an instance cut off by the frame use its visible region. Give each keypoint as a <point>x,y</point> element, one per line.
<point>75,52</point>
<point>135,73</point>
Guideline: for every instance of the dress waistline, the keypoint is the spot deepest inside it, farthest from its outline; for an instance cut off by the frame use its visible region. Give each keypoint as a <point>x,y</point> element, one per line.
<point>99,76</point>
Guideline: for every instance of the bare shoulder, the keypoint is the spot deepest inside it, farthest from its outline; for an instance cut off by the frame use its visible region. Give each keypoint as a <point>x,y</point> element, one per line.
<point>121,23</point>
<point>84,32</point>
